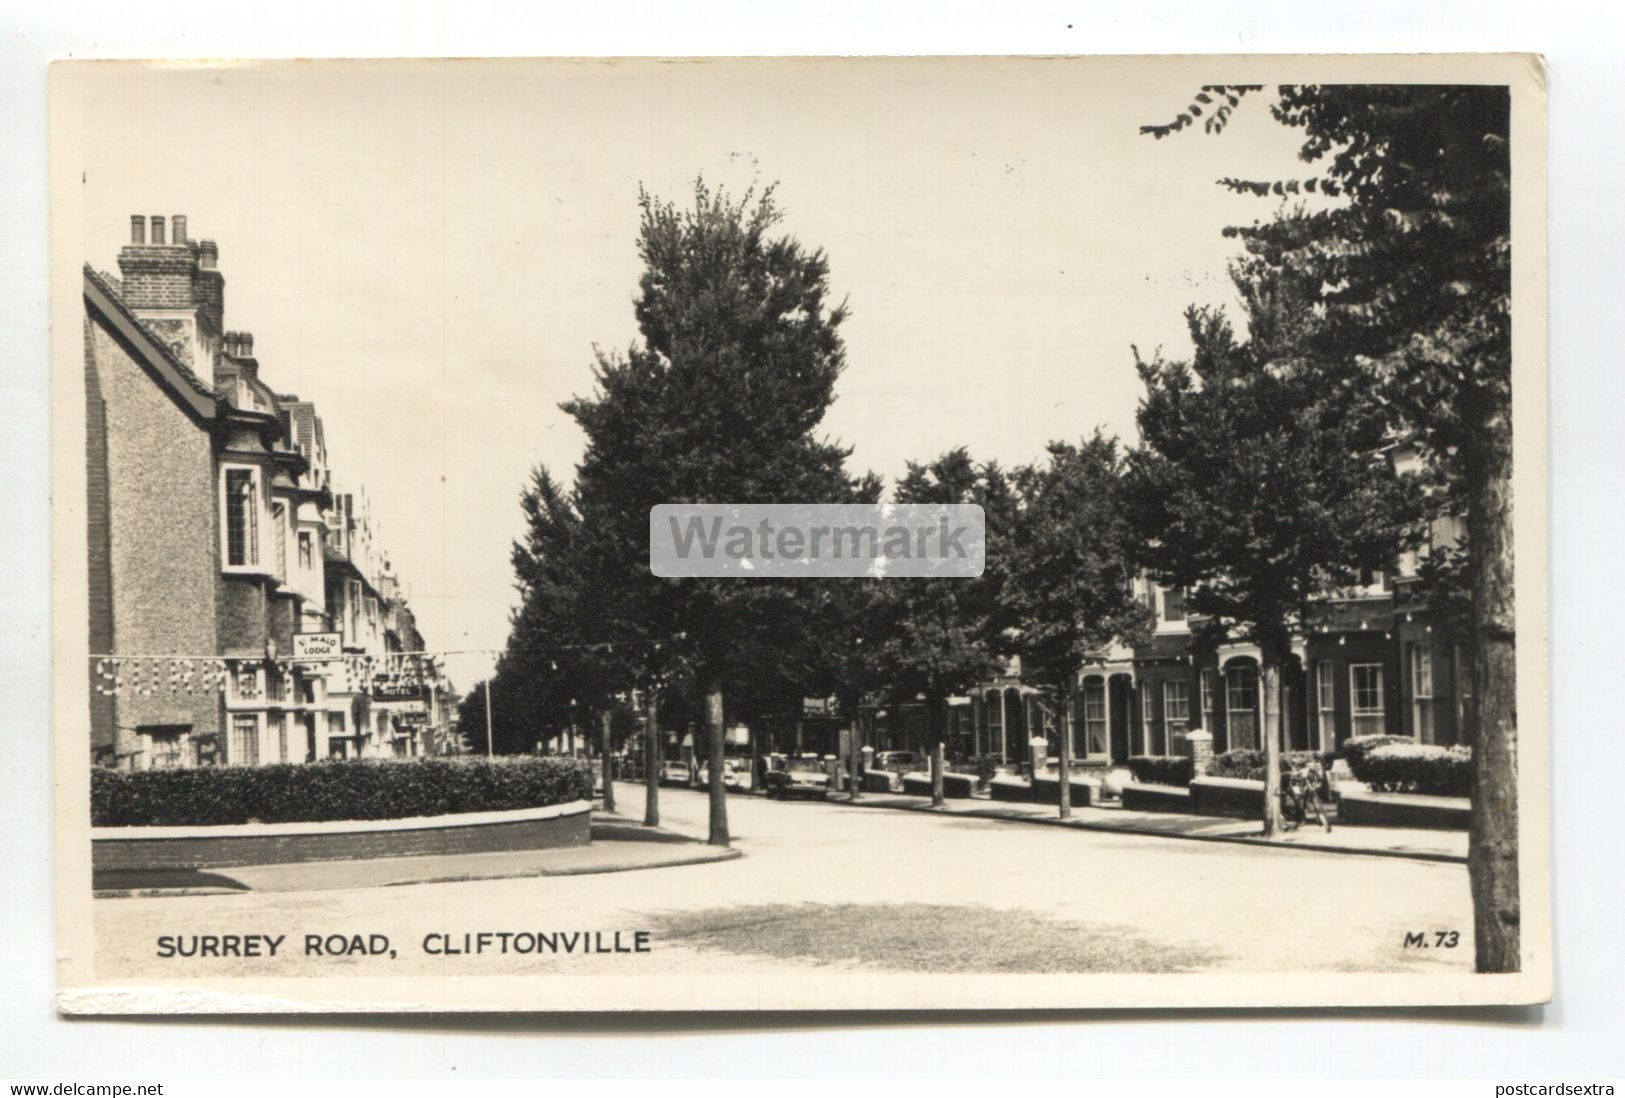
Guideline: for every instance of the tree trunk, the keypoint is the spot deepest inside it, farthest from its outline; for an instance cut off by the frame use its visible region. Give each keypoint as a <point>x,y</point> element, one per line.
<point>651,759</point>
<point>855,757</point>
<point>1492,840</point>
<point>716,738</point>
<point>755,757</point>
<point>1065,759</point>
<point>1271,676</point>
<point>606,749</point>
<point>935,708</point>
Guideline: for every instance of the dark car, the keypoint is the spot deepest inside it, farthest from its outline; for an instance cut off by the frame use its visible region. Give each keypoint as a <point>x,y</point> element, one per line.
<point>800,776</point>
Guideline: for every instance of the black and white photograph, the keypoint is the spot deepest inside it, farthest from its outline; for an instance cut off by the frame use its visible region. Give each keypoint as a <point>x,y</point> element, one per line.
<point>800,534</point>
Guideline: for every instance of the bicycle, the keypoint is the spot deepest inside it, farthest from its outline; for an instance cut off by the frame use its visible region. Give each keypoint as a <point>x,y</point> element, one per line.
<point>1300,798</point>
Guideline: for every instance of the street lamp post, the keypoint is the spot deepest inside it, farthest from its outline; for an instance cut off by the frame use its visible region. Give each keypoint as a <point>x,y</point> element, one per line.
<point>490,733</point>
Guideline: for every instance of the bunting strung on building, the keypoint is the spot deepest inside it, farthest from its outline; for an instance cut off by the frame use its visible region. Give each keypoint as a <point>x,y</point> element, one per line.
<point>383,675</point>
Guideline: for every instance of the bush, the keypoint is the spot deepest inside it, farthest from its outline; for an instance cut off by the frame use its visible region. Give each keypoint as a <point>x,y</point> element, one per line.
<point>1354,751</point>
<point>1408,767</point>
<point>1246,762</point>
<point>362,789</point>
<point>1161,769</point>
<point>983,766</point>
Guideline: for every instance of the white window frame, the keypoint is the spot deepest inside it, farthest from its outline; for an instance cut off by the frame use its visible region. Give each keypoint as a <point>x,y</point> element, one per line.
<point>1355,712</point>
<point>1421,677</point>
<point>1104,720</point>
<point>1326,704</point>
<point>236,729</point>
<point>1168,720</point>
<point>1205,687</point>
<point>254,547</point>
<point>1230,711</point>
<point>352,600</point>
<point>1146,722</point>
<point>279,537</point>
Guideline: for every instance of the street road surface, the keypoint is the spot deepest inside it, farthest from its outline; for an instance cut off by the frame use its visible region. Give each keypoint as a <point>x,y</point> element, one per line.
<point>829,886</point>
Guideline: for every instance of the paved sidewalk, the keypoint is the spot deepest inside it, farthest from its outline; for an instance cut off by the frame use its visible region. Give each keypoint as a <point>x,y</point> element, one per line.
<point>618,845</point>
<point>1420,844</point>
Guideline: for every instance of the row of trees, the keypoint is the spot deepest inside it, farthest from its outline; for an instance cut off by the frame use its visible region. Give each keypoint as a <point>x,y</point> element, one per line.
<point>1261,480</point>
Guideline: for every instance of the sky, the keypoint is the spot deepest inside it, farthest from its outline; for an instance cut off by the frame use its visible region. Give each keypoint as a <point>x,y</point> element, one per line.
<point>431,251</point>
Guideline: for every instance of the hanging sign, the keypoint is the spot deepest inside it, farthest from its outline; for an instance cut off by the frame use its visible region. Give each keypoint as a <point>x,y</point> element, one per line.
<point>385,687</point>
<point>317,646</point>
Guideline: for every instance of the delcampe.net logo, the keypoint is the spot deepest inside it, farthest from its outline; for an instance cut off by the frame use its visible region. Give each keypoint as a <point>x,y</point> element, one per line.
<point>817,541</point>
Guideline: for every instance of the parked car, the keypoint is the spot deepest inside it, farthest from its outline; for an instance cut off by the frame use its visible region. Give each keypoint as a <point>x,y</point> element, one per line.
<point>674,773</point>
<point>800,776</point>
<point>735,774</point>
<point>900,762</point>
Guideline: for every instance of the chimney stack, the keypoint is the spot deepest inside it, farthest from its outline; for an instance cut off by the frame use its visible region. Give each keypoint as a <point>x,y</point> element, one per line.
<point>138,229</point>
<point>208,254</point>
<point>248,343</point>
<point>178,228</point>
<point>157,228</point>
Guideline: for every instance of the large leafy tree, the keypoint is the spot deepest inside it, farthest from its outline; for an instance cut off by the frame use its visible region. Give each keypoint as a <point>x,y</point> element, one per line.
<point>1067,587</point>
<point>1261,486</point>
<point>720,402</point>
<point>1414,265</point>
<point>939,636</point>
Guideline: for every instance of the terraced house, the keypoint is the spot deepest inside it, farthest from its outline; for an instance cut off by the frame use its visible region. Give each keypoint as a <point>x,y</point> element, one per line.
<point>1377,658</point>
<point>216,538</point>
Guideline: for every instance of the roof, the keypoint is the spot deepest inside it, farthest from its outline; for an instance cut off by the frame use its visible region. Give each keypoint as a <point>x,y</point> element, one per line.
<point>188,386</point>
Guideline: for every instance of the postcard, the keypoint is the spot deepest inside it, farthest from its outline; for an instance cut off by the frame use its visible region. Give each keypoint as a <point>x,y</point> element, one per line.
<point>800,534</point>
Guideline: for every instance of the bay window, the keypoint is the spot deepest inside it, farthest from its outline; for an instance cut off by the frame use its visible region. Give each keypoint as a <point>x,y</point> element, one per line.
<point>240,504</point>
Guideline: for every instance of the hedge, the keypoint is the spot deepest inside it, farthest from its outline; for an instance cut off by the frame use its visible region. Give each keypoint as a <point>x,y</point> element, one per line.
<point>1354,750</point>
<point>1160,769</point>
<point>1246,762</point>
<point>359,789</point>
<point>1407,767</point>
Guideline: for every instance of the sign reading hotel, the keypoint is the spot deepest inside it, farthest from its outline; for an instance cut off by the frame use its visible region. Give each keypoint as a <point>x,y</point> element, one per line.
<point>387,687</point>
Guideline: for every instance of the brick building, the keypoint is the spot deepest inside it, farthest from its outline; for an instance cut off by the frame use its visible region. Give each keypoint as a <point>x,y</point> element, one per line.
<point>1377,660</point>
<point>215,538</point>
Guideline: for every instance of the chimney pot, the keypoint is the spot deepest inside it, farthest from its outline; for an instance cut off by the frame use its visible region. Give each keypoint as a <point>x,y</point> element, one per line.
<point>177,225</point>
<point>208,254</point>
<point>248,345</point>
<point>157,229</point>
<point>138,229</point>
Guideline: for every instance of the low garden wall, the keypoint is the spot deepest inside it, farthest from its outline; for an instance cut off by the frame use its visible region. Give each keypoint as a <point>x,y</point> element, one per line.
<point>958,786</point>
<point>1047,790</point>
<point>1007,788</point>
<point>1139,797</point>
<point>221,845</point>
<point>205,817</point>
<point>1242,798</point>
<point>1403,810</point>
<point>877,781</point>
